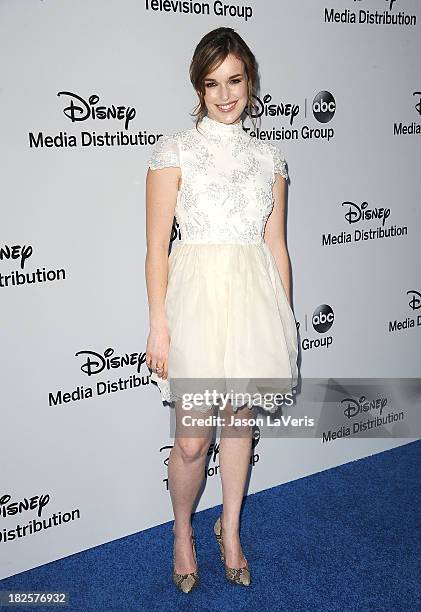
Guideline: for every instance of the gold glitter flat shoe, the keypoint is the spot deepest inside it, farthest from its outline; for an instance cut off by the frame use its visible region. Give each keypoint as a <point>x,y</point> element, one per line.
<point>237,575</point>
<point>186,582</point>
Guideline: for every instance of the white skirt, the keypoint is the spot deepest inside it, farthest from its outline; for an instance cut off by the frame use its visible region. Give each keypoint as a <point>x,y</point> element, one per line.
<point>231,326</point>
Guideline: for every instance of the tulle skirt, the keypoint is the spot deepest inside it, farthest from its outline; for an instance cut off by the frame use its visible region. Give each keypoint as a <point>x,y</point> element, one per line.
<point>231,326</point>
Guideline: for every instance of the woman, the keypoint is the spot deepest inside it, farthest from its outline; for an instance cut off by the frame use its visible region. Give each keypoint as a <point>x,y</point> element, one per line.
<point>219,306</point>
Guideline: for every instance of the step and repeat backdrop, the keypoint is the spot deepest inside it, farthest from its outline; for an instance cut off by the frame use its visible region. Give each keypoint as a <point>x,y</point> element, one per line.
<point>86,91</point>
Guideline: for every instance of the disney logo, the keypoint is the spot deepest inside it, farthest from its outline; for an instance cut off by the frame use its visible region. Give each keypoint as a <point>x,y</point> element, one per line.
<point>16,251</point>
<point>96,363</point>
<point>35,502</point>
<point>357,213</point>
<point>356,407</point>
<point>175,231</point>
<point>418,104</point>
<point>415,301</point>
<point>213,451</point>
<point>274,110</point>
<point>81,110</point>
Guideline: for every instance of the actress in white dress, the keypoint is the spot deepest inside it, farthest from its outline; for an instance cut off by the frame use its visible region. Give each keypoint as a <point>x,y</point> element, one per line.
<point>219,305</point>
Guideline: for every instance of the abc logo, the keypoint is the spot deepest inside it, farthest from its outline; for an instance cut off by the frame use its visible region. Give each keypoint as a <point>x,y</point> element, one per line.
<point>324,106</point>
<point>323,318</point>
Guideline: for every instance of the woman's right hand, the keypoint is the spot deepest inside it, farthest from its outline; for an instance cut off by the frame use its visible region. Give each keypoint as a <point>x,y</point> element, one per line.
<point>157,348</point>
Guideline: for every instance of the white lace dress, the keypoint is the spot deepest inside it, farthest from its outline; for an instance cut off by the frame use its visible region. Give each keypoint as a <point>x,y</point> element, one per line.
<point>231,326</point>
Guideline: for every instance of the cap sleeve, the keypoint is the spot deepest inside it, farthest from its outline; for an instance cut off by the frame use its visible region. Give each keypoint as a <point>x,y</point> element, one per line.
<point>165,153</point>
<point>279,162</point>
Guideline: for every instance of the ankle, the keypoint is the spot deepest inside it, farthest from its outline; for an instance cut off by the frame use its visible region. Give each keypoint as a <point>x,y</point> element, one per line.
<point>230,525</point>
<point>182,531</point>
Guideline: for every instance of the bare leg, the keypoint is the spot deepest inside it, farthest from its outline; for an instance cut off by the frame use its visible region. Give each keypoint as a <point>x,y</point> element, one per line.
<point>186,470</point>
<point>234,460</point>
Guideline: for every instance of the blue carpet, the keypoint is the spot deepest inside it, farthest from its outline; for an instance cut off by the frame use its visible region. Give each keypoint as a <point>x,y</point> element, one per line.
<point>343,539</point>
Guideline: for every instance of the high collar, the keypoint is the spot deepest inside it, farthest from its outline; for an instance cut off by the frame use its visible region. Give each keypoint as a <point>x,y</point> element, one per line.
<point>217,128</point>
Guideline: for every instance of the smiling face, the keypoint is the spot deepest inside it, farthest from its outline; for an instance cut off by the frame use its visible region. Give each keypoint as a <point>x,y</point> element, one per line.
<point>226,91</point>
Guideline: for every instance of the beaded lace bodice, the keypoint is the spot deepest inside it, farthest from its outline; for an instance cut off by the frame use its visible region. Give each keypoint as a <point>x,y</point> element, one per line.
<point>227,179</point>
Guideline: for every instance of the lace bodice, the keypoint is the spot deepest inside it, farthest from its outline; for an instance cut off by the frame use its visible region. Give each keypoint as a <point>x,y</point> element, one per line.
<point>227,179</point>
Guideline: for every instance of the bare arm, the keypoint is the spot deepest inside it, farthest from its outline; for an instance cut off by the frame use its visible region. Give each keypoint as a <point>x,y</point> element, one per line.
<point>275,234</point>
<point>161,195</point>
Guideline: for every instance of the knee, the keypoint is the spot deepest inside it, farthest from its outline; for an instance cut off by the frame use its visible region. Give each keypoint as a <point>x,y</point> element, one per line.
<point>191,449</point>
<point>240,430</point>
<point>239,423</point>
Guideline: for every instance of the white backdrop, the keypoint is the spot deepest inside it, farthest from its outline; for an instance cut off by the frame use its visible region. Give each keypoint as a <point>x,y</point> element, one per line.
<point>77,468</point>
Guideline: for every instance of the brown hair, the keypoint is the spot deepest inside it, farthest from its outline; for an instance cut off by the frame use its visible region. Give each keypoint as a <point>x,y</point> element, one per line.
<point>210,53</point>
